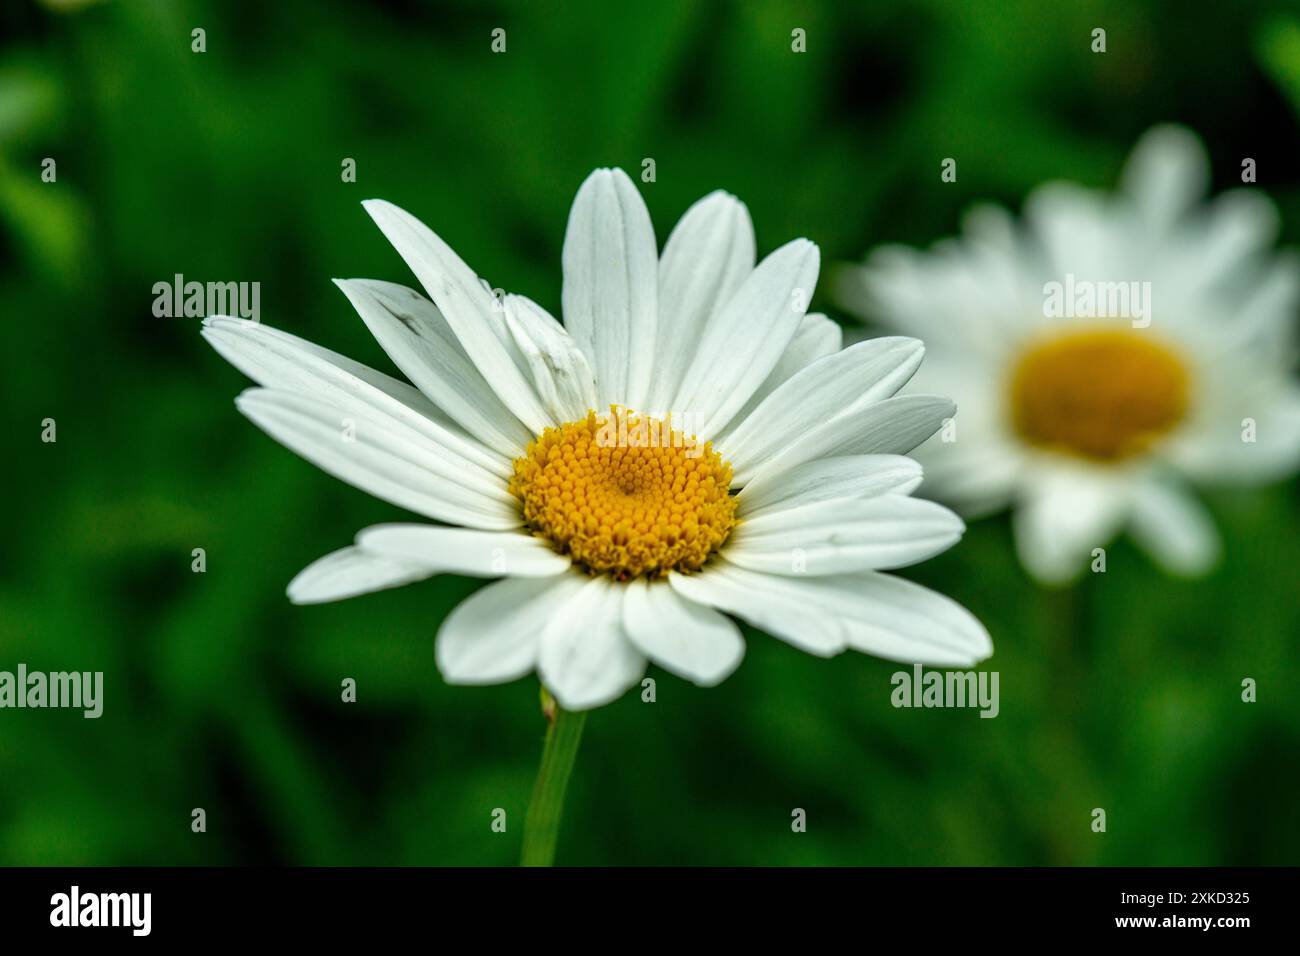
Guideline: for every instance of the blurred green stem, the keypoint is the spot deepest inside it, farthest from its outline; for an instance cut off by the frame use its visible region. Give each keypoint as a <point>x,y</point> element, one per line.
<point>1064,632</point>
<point>542,825</point>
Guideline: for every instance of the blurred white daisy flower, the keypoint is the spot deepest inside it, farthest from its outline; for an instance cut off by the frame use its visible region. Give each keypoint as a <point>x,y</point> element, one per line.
<point>1105,354</point>
<point>688,443</point>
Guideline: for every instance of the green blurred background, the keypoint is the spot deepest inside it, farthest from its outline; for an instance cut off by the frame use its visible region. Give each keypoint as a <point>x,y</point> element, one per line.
<point>1123,693</point>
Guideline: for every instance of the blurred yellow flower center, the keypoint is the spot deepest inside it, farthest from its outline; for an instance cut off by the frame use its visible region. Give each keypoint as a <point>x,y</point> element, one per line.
<point>626,495</point>
<point>1103,394</point>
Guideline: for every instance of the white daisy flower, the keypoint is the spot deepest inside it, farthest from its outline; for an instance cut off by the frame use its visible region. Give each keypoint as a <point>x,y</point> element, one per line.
<point>558,457</point>
<point>1090,400</point>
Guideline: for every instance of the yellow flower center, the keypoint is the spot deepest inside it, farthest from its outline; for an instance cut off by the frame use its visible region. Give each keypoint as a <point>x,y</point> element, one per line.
<point>626,495</point>
<point>1102,394</point>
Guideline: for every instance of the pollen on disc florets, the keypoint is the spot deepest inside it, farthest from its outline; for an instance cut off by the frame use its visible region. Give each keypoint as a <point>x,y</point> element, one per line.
<point>626,495</point>
<point>1103,394</point>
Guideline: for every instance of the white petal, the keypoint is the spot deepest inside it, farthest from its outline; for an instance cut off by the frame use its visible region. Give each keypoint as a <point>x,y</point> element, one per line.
<point>1167,173</point>
<point>1269,412</point>
<point>849,476</point>
<point>561,375</point>
<point>610,294</point>
<point>708,255</point>
<point>836,537</point>
<point>1063,518</point>
<point>418,339</point>
<point>463,550</point>
<point>469,308</point>
<point>1077,233</point>
<point>768,602</point>
<point>492,637</point>
<point>1237,227</point>
<point>816,337</point>
<point>894,427</point>
<point>1174,528</point>
<point>977,474</point>
<point>585,658</point>
<point>349,572</point>
<point>988,283</point>
<point>746,338</point>
<point>900,620</point>
<point>875,613</point>
<point>1261,325</point>
<point>285,362</point>
<point>838,384</point>
<point>387,459</point>
<point>687,639</point>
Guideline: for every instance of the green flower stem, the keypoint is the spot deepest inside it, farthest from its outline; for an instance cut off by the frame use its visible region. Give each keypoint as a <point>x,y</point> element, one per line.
<point>542,825</point>
<point>1068,639</point>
